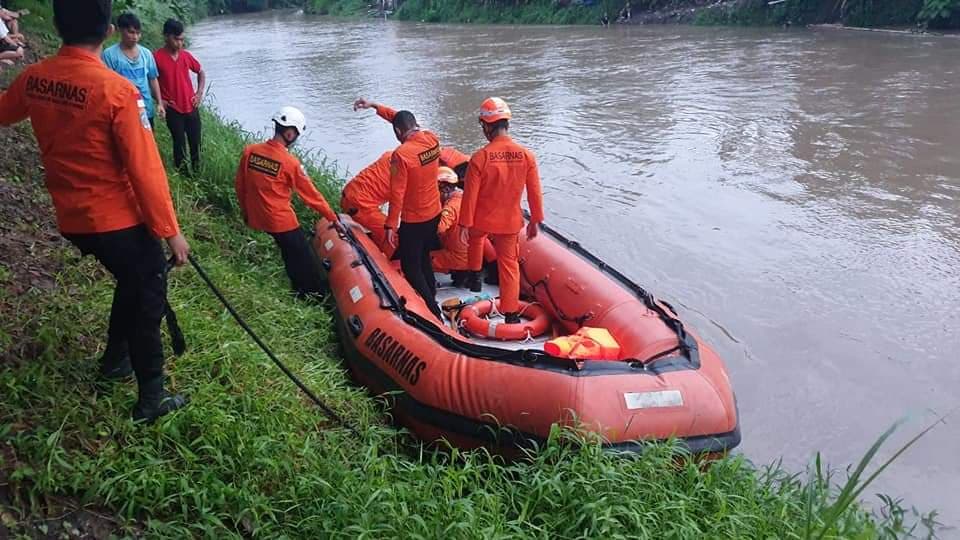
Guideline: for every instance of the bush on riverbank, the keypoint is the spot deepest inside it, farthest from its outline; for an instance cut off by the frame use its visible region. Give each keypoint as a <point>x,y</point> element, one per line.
<point>338,8</point>
<point>861,13</point>
<point>472,11</point>
<point>938,14</point>
<point>251,458</point>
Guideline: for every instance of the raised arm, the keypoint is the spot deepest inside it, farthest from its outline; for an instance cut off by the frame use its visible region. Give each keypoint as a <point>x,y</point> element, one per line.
<point>382,110</point>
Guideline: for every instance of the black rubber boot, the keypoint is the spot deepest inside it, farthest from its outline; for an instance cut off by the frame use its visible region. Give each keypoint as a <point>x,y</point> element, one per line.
<point>459,278</point>
<point>473,282</point>
<point>511,318</point>
<point>492,277</point>
<point>155,402</point>
<point>115,363</point>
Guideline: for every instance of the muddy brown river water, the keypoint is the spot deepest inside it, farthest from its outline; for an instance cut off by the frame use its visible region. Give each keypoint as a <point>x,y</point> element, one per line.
<point>795,193</point>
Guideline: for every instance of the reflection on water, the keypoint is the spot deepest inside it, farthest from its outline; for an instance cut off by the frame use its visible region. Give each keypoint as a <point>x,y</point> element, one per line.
<point>797,192</point>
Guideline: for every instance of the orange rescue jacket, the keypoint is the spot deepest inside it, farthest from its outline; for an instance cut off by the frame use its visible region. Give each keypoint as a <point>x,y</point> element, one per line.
<point>103,170</point>
<point>455,250</point>
<point>413,176</point>
<point>447,230</point>
<point>267,176</point>
<point>496,178</point>
<point>370,188</point>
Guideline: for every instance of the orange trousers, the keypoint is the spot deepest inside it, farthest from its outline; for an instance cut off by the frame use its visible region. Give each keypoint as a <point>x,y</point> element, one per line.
<point>447,260</point>
<point>507,247</point>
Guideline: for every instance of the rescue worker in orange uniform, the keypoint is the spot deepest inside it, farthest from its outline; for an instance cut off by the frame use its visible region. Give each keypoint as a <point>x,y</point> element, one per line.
<point>266,179</point>
<point>414,199</point>
<point>109,188</point>
<point>366,192</point>
<point>496,178</point>
<point>453,256</point>
<point>364,195</point>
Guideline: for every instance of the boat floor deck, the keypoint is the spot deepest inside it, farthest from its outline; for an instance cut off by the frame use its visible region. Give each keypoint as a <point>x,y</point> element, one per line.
<point>446,291</point>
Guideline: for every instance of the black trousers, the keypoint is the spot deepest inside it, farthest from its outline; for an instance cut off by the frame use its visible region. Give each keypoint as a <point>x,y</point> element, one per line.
<point>183,128</point>
<point>135,258</point>
<point>416,241</point>
<point>300,263</point>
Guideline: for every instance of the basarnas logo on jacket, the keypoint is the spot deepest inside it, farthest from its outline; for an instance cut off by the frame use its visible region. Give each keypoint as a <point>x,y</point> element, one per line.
<point>263,164</point>
<point>429,155</point>
<point>58,92</point>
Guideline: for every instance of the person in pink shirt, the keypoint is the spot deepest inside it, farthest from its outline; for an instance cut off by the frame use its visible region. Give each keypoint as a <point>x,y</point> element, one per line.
<point>174,64</point>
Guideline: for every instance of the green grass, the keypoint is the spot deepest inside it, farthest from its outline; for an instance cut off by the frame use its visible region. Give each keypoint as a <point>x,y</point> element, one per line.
<point>251,457</point>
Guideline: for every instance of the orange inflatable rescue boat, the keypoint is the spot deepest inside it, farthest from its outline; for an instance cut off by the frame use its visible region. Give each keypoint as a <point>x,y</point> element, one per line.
<point>593,350</point>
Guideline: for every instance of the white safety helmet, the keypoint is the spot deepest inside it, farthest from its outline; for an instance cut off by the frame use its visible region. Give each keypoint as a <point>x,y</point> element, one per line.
<point>291,117</point>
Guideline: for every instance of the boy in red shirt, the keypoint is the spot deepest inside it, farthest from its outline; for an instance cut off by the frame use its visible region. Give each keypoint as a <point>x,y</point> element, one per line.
<point>174,64</point>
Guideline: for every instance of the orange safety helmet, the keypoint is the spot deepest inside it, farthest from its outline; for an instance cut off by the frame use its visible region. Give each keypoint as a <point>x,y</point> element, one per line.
<point>446,174</point>
<point>493,110</point>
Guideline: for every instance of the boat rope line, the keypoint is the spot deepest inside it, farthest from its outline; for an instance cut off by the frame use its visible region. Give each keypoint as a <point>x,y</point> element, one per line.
<point>579,321</point>
<point>330,413</point>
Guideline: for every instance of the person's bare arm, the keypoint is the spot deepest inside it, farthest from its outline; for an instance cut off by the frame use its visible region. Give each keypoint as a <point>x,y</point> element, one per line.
<point>201,85</point>
<point>155,92</point>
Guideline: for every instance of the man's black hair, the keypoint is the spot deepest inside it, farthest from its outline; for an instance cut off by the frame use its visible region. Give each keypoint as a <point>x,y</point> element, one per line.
<point>499,124</point>
<point>82,22</point>
<point>404,121</point>
<point>128,20</point>
<point>172,27</point>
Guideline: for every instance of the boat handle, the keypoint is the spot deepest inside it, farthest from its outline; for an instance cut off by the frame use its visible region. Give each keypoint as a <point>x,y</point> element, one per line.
<point>356,325</point>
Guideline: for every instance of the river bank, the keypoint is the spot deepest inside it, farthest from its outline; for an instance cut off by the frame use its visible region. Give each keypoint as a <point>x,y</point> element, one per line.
<point>250,458</point>
<point>917,14</point>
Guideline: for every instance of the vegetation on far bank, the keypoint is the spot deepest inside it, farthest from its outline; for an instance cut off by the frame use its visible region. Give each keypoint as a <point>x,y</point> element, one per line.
<point>250,457</point>
<point>932,14</point>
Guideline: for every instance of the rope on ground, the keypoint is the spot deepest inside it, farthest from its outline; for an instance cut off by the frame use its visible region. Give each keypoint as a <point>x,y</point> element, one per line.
<point>330,413</point>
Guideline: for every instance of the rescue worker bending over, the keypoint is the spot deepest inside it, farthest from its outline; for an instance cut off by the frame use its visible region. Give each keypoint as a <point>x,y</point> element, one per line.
<point>453,256</point>
<point>267,176</point>
<point>496,178</point>
<point>108,186</point>
<point>414,195</point>
<point>365,194</point>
